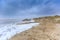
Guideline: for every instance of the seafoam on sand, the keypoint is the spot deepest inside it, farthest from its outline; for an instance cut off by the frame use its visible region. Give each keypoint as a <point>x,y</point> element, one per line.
<point>9,30</point>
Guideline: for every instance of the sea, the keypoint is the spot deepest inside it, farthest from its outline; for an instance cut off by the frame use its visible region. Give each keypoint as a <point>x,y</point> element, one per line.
<point>9,28</point>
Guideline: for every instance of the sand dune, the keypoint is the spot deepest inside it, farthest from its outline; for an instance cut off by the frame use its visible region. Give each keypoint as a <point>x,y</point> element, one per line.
<point>49,29</point>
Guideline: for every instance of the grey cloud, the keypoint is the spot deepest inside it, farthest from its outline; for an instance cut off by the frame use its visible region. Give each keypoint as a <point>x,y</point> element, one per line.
<point>28,8</point>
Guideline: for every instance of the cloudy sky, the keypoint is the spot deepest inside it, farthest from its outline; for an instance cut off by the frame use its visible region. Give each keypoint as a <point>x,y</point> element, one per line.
<point>28,8</point>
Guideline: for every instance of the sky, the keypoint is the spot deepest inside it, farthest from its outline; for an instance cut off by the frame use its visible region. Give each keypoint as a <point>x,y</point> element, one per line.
<point>28,8</point>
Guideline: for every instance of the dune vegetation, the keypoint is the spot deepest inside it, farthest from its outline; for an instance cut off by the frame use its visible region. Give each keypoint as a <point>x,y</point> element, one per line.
<point>48,29</point>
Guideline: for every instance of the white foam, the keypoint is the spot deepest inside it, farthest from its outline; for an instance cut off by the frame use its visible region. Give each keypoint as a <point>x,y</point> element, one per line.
<point>9,30</point>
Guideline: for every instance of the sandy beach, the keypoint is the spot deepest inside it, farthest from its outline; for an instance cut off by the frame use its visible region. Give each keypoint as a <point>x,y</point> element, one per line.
<point>49,29</point>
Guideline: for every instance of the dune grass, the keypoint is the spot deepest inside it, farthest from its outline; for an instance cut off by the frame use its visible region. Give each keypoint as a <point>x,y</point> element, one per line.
<point>46,30</point>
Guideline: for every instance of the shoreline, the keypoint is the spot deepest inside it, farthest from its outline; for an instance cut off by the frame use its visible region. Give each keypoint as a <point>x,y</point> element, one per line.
<point>9,30</point>
<point>47,30</point>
